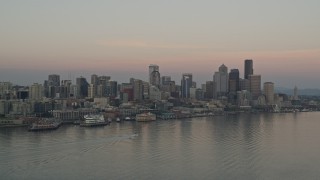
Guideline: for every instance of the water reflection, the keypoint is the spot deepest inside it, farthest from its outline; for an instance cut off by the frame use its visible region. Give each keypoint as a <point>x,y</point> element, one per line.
<point>245,146</point>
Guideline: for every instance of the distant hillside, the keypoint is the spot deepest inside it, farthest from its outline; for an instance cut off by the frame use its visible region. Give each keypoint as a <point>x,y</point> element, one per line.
<point>307,92</point>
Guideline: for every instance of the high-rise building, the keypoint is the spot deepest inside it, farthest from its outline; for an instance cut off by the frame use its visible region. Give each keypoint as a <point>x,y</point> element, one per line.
<point>36,91</point>
<point>168,86</point>
<point>103,80</point>
<point>66,85</point>
<point>51,87</point>
<point>94,79</point>
<point>223,69</point>
<point>154,75</point>
<point>146,90</point>
<point>186,84</point>
<point>234,81</point>
<point>255,86</point>
<point>74,92</point>
<point>54,80</point>
<point>295,93</point>
<point>82,87</point>
<point>91,91</point>
<point>126,92</point>
<point>112,89</point>
<point>23,94</point>
<point>248,68</point>
<point>199,94</point>
<point>194,84</point>
<point>152,68</point>
<point>220,80</point>
<point>137,90</point>
<point>101,87</point>
<point>165,79</point>
<point>244,84</point>
<point>5,89</point>
<point>51,91</point>
<point>209,94</point>
<point>101,91</point>
<point>193,92</point>
<point>155,78</point>
<point>155,93</point>
<point>268,89</point>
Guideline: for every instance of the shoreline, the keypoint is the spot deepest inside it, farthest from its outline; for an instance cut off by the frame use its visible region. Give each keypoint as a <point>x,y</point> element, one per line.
<point>13,125</point>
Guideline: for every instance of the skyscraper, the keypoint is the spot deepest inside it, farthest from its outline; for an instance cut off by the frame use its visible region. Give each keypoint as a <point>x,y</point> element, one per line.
<point>234,81</point>
<point>94,79</point>
<point>268,88</point>
<point>36,91</point>
<point>186,84</point>
<point>82,87</point>
<point>155,93</point>
<point>91,91</point>
<point>165,80</point>
<point>104,79</point>
<point>64,91</point>
<point>248,68</point>
<point>93,86</point>
<point>52,86</point>
<point>146,89</point>
<point>295,93</point>
<point>5,88</point>
<point>209,94</point>
<point>220,80</point>
<point>244,84</point>
<point>137,90</point>
<point>255,86</point>
<point>112,89</point>
<point>153,79</point>
<point>54,80</point>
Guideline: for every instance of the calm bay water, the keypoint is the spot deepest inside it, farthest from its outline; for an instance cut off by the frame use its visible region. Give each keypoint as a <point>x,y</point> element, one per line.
<point>247,146</point>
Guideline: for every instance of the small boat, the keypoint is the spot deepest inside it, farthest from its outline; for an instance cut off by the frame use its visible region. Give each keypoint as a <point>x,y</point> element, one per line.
<point>127,118</point>
<point>93,120</point>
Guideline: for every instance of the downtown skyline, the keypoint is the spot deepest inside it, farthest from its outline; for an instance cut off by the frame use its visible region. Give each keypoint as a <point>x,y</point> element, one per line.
<point>120,39</point>
<point>38,76</point>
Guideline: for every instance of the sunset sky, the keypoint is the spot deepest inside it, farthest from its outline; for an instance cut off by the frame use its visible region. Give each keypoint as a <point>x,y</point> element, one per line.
<point>120,38</point>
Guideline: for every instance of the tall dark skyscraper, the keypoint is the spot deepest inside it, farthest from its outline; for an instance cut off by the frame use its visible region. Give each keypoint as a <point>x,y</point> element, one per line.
<point>234,81</point>
<point>54,80</point>
<point>111,89</point>
<point>82,87</point>
<point>248,68</point>
<point>209,94</point>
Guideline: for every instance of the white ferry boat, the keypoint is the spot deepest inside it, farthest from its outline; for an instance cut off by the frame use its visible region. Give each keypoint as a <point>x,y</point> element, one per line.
<point>94,120</point>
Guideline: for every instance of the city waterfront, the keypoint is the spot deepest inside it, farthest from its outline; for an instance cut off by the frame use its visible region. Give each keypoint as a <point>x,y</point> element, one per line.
<point>243,146</point>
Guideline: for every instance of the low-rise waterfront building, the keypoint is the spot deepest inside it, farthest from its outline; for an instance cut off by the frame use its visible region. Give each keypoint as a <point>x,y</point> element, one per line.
<point>72,115</point>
